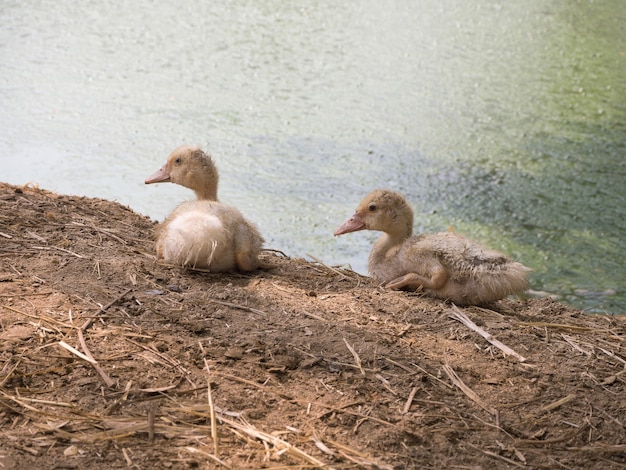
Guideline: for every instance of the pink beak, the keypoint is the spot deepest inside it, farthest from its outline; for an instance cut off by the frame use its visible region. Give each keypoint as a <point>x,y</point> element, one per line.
<point>161,176</point>
<point>353,224</point>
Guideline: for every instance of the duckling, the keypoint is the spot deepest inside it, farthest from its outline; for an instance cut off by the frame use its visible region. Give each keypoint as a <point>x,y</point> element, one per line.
<point>444,265</point>
<point>204,233</point>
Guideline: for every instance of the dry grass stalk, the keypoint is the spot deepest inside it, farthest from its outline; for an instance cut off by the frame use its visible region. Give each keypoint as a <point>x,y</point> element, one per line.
<point>245,381</point>
<point>456,380</point>
<point>193,450</point>
<point>159,389</point>
<point>316,317</point>
<point>88,323</point>
<point>460,316</point>
<point>44,318</point>
<point>342,409</point>
<point>330,408</point>
<point>321,446</point>
<point>10,373</point>
<point>168,360</point>
<point>613,355</point>
<point>401,366</point>
<point>564,326</point>
<point>569,340</point>
<point>433,376</point>
<point>355,456</point>
<point>238,307</point>
<point>331,269</point>
<point>409,401</point>
<point>76,352</point>
<point>501,457</point>
<point>212,410</point>
<point>357,359</point>
<point>20,401</point>
<point>49,248</point>
<point>557,404</point>
<point>151,422</point>
<point>129,461</point>
<point>281,446</point>
<point>104,232</point>
<point>609,449</point>
<point>107,380</point>
<point>364,462</point>
<point>386,384</point>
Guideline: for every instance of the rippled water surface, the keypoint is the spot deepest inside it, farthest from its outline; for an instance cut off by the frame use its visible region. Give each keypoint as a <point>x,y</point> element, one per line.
<point>504,120</point>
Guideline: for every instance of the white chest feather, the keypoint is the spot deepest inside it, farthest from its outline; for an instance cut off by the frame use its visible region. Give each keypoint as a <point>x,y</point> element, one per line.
<point>199,239</point>
<point>197,222</point>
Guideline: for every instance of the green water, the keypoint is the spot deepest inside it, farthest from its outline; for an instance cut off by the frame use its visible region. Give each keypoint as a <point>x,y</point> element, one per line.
<point>503,120</point>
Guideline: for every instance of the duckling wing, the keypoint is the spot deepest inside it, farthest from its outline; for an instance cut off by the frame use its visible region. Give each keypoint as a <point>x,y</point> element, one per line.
<point>478,274</point>
<point>462,257</point>
<point>248,243</point>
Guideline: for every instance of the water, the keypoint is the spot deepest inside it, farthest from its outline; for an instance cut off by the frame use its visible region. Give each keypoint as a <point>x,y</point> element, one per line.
<point>504,120</point>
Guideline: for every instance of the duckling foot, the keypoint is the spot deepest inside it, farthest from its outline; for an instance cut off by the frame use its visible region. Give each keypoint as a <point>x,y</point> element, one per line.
<point>414,281</point>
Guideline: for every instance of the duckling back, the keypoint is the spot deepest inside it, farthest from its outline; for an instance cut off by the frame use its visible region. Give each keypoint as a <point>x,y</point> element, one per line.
<point>209,235</point>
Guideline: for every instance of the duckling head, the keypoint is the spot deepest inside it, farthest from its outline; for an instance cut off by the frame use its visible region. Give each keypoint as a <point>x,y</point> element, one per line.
<point>382,210</point>
<point>189,166</point>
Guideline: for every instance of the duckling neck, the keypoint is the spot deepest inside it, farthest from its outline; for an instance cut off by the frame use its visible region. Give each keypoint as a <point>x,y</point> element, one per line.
<point>385,247</point>
<point>207,193</point>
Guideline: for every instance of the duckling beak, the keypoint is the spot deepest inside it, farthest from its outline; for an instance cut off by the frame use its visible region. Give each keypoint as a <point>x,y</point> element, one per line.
<point>353,224</point>
<point>161,176</point>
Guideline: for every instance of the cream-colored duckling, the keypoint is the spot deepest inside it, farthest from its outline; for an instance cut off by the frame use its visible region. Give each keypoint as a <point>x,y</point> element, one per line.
<point>444,265</point>
<point>204,233</point>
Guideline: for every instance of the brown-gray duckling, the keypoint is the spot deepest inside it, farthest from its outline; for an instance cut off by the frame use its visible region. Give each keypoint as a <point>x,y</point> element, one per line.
<point>443,265</point>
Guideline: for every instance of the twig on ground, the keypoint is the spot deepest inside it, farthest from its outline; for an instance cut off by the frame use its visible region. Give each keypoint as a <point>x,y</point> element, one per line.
<point>76,352</point>
<point>558,403</point>
<point>409,401</point>
<point>386,384</point>
<point>193,450</point>
<point>107,380</point>
<point>460,316</point>
<point>281,445</point>
<point>569,340</point>
<point>88,323</point>
<point>211,410</point>
<point>542,324</point>
<point>167,359</point>
<point>9,373</point>
<point>498,456</point>
<point>330,268</point>
<point>432,376</point>
<point>456,380</point>
<point>58,248</point>
<point>357,359</point>
<point>239,307</point>
<point>151,420</point>
<point>353,455</point>
<point>613,355</point>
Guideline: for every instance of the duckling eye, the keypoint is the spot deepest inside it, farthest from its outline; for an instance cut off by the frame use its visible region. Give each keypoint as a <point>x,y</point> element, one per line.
<point>177,161</point>
<point>371,208</point>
